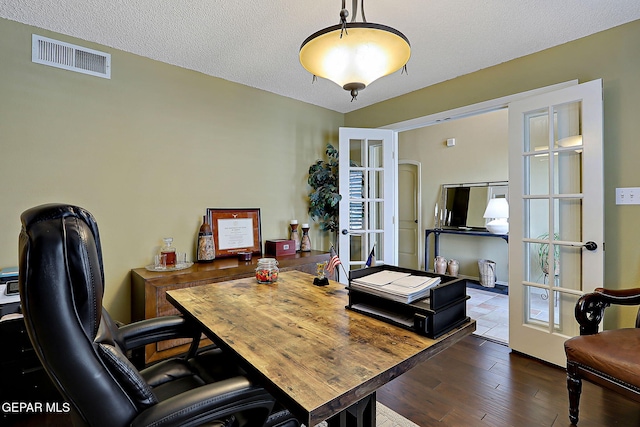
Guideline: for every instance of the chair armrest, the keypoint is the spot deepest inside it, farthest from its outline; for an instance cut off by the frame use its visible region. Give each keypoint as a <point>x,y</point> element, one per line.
<point>209,402</point>
<point>590,307</point>
<point>150,331</point>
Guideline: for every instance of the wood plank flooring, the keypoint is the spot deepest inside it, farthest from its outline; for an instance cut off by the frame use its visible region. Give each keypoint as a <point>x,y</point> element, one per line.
<point>482,383</point>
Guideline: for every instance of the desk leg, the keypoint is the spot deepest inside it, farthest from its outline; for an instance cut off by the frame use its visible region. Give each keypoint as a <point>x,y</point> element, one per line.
<point>360,414</point>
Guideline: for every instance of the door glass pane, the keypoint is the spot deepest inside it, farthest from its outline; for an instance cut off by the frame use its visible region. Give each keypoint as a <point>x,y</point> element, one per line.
<point>568,269</point>
<point>568,125</point>
<point>536,307</point>
<point>375,154</point>
<point>356,184</point>
<point>568,219</point>
<point>536,130</point>
<point>356,215</point>
<point>355,152</point>
<point>537,214</point>
<point>376,239</point>
<point>355,243</point>
<point>568,172</point>
<point>543,261</point>
<point>537,166</point>
<point>538,271</point>
<point>376,184</point>
<point>564,314</point>
<point>376,216</point>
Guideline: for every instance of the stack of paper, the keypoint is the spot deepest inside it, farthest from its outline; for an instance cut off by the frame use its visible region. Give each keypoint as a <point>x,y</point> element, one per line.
<point>396,286</point>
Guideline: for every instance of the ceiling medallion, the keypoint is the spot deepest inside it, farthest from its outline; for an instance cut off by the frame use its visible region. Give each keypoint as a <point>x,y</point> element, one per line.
<point>355,54</point>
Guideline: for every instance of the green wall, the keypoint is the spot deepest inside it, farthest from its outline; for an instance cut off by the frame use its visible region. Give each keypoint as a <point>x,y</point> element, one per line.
<point>614,56</point>
<point>147,152</point>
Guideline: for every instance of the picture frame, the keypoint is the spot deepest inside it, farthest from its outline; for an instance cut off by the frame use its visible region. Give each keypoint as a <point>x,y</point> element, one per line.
<point>235,230</point>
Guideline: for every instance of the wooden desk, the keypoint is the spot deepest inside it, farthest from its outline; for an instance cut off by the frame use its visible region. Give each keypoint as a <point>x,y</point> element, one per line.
<point>312,354</point>
<point>148,290</point>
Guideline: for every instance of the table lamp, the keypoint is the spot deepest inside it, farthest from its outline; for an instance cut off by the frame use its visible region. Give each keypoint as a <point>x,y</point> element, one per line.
<point>498,209</point>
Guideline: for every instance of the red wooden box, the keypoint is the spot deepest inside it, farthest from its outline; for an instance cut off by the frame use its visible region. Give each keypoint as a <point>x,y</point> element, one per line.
<point>280,247</point>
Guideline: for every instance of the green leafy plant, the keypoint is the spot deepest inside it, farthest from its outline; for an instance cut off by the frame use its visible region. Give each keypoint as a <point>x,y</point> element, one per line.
<point>324,198</point>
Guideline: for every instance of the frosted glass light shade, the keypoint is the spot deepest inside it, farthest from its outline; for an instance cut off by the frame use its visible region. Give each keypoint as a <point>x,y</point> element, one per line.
<point>365,53</point>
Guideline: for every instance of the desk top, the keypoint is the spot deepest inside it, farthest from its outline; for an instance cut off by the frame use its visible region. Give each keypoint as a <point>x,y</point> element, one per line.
<point>313,354</point>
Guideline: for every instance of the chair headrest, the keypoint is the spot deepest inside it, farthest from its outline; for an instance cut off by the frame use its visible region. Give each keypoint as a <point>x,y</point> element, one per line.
<point>61,260</point>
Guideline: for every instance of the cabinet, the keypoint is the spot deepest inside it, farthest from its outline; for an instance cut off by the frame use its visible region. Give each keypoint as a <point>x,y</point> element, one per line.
<point>22,377</point>
<point>148,298</point>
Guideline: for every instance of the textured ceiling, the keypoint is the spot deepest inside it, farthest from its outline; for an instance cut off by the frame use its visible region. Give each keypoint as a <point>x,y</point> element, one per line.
<point>256,43</point>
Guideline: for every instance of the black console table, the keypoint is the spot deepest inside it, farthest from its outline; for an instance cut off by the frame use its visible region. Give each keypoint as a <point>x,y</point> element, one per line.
<point>438,231</point>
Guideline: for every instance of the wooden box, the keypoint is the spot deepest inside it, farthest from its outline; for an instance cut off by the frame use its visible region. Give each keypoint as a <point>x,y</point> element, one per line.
<point>280,247</point>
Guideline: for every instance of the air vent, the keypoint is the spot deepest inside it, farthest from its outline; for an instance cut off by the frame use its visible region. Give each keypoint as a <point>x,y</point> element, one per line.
<point>70,57</point>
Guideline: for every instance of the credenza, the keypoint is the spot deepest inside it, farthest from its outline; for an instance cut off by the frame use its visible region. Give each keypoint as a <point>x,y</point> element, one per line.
<point>148,291</point>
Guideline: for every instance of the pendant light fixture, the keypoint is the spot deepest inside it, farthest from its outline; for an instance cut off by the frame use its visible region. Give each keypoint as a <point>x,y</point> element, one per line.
<point>355,54</point>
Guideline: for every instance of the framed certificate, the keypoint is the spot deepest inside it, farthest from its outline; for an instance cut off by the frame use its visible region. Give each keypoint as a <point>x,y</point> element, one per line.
<point>235,230</point>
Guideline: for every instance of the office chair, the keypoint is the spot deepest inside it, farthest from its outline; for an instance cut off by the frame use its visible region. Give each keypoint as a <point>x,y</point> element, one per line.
<point>609,358</point>
<point>84,351</point>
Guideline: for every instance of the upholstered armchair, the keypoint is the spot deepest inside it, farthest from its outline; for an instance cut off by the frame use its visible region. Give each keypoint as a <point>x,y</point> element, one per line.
<point>84,352</point>
<point>609,358</point>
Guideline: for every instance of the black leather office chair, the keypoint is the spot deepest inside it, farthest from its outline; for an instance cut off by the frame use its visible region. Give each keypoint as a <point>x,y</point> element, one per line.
<point>84,352</point>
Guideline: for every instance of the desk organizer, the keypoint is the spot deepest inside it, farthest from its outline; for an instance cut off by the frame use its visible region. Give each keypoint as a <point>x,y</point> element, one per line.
<point>443,310</point>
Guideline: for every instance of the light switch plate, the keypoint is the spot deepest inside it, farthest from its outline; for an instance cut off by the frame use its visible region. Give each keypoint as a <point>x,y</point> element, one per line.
<point>628,196</point>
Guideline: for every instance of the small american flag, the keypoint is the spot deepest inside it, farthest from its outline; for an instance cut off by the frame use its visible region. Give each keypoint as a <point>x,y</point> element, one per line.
<point>333,262</point>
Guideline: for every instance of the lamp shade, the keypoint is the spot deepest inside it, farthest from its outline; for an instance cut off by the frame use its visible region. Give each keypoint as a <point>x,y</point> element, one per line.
<point>357,56</point>
<point>497,208</point>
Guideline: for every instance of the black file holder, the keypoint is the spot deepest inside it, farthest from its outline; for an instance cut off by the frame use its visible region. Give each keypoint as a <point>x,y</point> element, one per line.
<point>443,310</point>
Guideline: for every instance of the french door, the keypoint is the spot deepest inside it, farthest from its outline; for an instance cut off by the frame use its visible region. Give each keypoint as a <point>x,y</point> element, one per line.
<point>556,237</point>
<point>367,175</point>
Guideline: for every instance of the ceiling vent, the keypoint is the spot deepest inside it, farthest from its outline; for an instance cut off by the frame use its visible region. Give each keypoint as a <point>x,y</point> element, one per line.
<point>70,57</point>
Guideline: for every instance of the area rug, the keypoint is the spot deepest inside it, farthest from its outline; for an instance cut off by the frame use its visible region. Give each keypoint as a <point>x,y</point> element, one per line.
<point>386,417</point>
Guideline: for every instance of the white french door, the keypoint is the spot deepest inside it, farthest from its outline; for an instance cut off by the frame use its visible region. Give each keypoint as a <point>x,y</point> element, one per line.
<point>556,237</point>
<point>367,175</point>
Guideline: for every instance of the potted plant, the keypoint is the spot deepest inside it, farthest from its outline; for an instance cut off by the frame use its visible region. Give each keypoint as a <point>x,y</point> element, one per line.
<point>324,197</point>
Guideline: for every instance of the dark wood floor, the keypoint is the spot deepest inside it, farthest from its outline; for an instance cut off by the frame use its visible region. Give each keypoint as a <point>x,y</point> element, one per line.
<point>482,383</point>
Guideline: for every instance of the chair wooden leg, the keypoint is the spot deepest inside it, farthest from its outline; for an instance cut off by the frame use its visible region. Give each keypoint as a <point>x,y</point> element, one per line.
<point>574,385</point>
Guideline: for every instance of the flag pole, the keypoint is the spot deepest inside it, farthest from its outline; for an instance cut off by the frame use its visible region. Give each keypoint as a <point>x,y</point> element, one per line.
<point>343,269</point>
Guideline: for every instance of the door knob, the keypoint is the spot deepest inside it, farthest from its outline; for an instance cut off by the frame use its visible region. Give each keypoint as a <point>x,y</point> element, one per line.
<point>591,246</point>
<point>345,231</point>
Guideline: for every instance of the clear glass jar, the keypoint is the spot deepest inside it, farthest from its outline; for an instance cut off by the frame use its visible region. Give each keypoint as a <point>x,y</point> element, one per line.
<point>267,270</point>
<point>169,251</point>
